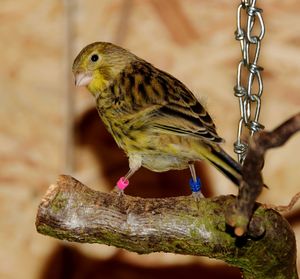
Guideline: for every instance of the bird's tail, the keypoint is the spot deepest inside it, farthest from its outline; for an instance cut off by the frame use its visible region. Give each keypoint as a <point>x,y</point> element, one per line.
<point>224,163</point>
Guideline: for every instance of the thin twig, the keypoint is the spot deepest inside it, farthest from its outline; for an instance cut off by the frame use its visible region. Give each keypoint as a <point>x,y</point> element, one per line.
<point>284,208</point>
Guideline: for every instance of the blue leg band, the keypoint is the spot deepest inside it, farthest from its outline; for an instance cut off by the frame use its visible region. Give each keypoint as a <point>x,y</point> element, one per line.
<point>195,185</point>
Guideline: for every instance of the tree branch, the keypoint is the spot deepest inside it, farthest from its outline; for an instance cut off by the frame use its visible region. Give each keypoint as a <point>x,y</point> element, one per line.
<point>240,214</point>
<point>73,212</point>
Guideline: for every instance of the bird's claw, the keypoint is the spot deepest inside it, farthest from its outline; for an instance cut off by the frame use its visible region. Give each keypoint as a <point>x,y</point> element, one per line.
<point>118,191</point>
<point>197,196</point>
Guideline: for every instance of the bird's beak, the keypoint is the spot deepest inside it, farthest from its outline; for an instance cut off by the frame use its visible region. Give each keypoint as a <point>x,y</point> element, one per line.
<point>83,78</point>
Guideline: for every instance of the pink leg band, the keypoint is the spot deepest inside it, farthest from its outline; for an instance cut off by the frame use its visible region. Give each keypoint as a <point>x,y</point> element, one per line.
<point>122,183</point>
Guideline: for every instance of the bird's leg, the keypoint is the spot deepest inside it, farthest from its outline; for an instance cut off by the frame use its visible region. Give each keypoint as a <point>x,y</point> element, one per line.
<point>135,163</point>
<point>123,182</point>
<point>195,183</point>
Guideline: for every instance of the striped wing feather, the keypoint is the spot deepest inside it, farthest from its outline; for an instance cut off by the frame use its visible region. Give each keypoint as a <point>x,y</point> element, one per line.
<point>175,109</point>
<point>182,113</point>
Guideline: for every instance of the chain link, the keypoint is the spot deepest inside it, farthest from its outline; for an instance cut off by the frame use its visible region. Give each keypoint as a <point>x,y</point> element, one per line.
<point>249,101</point>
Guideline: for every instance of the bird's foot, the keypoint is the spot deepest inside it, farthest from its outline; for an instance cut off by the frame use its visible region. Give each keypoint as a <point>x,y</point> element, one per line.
<point>118,191</point>
<point>197,196</point>
<point>121,185</point>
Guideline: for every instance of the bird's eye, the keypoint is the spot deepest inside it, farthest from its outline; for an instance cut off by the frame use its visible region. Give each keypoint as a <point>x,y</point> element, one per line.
<point>94,57</point>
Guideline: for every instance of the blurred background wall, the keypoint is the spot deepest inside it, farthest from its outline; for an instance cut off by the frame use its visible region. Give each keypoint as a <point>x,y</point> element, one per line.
<point>47,127</point>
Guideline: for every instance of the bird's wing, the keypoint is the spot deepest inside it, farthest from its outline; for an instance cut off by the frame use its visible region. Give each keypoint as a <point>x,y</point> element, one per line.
<point>181,113</point>
<point>160,102</point>
<point>173,119</point>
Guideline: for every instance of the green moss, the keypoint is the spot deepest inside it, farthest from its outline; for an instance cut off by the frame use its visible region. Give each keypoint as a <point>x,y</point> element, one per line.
<point>46,230</point>
<point>193,232</point>
<point>59,203</point>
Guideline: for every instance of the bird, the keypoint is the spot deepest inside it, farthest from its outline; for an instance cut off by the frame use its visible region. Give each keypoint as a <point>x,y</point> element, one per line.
<point>151,115</point>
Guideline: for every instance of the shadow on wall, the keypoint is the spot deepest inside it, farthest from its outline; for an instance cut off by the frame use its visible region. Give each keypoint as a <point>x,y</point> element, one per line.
<point>113,163</point>
<point>67,263</point>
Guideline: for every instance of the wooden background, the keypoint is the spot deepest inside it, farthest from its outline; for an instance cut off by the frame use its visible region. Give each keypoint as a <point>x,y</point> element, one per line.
<point>47,127</point>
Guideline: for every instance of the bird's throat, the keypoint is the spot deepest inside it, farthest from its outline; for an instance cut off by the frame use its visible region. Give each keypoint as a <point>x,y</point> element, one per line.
<point>97,84</point>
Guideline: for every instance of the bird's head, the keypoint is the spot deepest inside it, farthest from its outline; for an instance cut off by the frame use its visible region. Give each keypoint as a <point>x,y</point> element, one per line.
<point>98,64</point>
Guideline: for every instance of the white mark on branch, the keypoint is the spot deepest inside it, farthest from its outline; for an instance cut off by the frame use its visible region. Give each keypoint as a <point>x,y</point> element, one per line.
<point>206,235</point>
<point>74,221</point>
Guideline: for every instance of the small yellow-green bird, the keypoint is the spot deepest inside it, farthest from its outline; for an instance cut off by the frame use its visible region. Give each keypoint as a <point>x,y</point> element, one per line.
<point>152,116</point>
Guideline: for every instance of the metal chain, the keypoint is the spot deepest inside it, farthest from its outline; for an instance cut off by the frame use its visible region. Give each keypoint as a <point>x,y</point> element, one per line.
<point>249,100</point>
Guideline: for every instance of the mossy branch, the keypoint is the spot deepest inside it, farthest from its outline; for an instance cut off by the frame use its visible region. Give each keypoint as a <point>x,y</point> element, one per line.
<point>73,212</point>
